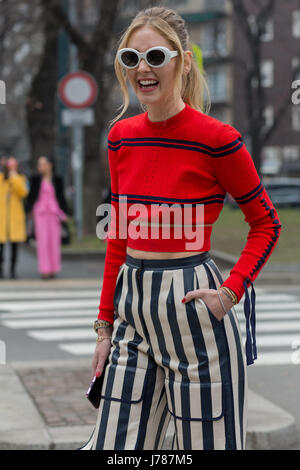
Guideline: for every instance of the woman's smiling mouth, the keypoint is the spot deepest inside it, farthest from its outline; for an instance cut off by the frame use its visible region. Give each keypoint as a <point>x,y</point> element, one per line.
<point>148,84</point>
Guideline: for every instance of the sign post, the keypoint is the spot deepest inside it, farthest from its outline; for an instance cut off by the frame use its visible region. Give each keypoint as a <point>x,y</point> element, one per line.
<point>78,91</point>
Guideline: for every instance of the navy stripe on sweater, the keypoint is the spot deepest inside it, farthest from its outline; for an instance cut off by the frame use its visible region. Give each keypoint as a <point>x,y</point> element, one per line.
<point>179,144</point>
<point>251,195</point>
<point>137,198</point>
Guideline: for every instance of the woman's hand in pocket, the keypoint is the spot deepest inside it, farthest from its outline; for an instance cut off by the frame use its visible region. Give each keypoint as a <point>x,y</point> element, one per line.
<point>212,300</point>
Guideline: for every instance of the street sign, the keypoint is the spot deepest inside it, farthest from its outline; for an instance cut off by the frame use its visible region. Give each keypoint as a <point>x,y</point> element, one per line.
<point>77,117</point>
<point>78,90</point>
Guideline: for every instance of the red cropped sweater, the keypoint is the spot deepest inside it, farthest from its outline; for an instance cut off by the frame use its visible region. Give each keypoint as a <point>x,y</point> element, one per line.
<point>188,161</point>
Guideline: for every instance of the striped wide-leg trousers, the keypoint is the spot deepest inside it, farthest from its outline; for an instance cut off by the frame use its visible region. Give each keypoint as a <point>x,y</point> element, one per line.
<point>171,360</point>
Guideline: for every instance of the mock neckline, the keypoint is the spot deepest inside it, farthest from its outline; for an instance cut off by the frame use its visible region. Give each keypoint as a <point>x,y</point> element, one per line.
<point>167,123</point>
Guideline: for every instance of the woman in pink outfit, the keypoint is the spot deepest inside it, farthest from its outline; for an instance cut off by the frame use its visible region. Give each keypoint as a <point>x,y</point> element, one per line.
<point>47,203</point>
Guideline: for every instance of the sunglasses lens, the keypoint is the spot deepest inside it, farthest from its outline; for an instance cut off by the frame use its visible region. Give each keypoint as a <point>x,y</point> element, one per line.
<point>156,57</point>
<point>129,58</point>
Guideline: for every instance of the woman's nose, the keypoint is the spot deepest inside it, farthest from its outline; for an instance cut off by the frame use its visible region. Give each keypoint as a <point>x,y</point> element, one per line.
<point>143,66</point>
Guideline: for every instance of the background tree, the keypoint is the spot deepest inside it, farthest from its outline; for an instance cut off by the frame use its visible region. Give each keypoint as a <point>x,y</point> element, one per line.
<point>21,42</point>
<point>40,104</point>
<point>253,26</point>
<point>95,55</point>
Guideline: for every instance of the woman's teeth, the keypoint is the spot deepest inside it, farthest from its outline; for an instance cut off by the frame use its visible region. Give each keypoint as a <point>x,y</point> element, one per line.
<point>147,83</point>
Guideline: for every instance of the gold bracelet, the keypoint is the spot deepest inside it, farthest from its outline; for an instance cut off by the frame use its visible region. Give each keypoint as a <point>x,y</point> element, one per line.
<point>101,338</point>
<point>101,324</point>
<point>230,294</point>
<point>221,301</point>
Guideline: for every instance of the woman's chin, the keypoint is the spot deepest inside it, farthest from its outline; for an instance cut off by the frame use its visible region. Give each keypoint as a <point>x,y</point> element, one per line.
<point>150,98</point>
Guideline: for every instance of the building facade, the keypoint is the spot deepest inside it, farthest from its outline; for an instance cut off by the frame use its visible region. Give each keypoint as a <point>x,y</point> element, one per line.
<point>227,62</point>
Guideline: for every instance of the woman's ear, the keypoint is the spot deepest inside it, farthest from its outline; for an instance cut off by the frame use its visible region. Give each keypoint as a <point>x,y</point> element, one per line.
<point>187,63</point>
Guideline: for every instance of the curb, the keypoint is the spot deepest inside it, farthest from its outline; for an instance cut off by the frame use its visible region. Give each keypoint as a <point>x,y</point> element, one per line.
<point>22,427</point>
<point>269,427</point>
<point>72,254</point>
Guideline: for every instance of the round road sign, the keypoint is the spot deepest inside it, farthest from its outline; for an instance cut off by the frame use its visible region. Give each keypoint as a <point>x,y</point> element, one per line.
<point>78,90</point>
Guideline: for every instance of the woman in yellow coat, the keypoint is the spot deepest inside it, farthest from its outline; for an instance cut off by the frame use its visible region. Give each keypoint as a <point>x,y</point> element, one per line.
<point>13,189</point>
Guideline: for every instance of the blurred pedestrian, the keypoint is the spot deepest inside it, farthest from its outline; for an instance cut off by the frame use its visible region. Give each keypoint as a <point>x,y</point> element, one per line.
<point>3,161</point>
<point>13,190</point>
<point>47,206</point>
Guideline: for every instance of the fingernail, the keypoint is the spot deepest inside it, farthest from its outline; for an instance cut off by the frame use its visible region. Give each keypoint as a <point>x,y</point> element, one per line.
<point>98,374</point>
<point>183,300</point>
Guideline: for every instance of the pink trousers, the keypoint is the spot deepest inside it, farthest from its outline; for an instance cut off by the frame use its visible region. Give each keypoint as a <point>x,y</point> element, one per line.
<point>48,238</point>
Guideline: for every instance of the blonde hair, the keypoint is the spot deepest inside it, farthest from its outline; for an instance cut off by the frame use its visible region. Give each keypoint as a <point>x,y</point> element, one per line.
<point>172,27</point>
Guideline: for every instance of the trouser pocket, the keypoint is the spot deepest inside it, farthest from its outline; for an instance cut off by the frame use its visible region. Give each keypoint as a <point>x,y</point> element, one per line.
<point>198,412</point>
<point>195,401</point>
<point>214,321</point>
<point>124,384</point>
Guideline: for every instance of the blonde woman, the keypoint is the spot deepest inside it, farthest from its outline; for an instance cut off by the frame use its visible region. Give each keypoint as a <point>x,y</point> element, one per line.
<point>166,324</point>
<point>13,190</point>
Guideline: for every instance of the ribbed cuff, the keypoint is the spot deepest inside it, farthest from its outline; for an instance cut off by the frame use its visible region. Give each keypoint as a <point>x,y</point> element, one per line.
<point>235,282</point>
<point>107,315</point>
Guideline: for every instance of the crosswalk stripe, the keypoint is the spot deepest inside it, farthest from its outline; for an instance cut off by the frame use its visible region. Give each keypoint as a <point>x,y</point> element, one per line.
<point>260,306</point>
<point>276,298</point>
<point>278,340</point>
<point>79,349</point>
<point>279,326</point>
<point>22,306</point>
<point>87,312</point>
<point>63,334</point>
<point>268,317</point>
<point>277,358</point>
<point>45,322</point>
<point>49,294</point>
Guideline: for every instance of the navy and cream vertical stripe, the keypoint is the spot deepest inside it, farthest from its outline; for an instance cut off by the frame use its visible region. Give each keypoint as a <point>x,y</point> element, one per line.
<point>171,360</point>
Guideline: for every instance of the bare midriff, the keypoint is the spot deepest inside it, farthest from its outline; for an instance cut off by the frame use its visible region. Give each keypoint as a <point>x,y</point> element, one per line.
<point>160,254</point>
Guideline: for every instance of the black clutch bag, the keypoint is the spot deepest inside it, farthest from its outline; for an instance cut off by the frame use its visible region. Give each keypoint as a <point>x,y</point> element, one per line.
<point>94,392</point>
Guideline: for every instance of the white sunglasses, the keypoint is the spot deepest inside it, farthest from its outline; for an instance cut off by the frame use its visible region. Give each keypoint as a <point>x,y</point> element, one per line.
<point>154,57</point>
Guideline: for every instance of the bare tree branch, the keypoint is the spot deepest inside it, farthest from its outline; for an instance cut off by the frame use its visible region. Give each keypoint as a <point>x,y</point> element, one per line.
<point>242,13</point>
<point>255,92</point>
<point>281,110</point>
<point>266,12</point>
<point>84,48</point>
<point>102,34</point>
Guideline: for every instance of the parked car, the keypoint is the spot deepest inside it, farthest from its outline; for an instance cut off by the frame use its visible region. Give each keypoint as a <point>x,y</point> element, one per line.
<point>283,192</point>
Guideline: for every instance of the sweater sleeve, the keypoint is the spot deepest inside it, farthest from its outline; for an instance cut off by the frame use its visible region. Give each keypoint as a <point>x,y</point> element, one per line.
<point>236,173</point>
<point>116,245</point>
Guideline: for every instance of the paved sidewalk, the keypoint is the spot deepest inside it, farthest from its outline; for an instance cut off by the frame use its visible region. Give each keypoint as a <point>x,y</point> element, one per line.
<point>43,406</point>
